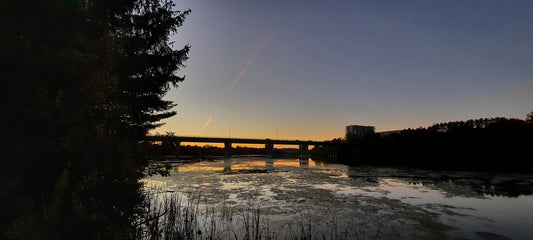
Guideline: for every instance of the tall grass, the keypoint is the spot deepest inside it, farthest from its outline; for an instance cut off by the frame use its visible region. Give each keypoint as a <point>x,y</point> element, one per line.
<point>171,216</point>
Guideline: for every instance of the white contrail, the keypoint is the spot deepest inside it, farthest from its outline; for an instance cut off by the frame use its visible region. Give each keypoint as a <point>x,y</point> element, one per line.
<point>250,62</point>
<point>205,125</point>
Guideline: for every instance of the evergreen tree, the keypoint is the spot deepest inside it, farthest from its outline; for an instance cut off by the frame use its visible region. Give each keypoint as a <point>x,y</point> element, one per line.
<point>82,83</point>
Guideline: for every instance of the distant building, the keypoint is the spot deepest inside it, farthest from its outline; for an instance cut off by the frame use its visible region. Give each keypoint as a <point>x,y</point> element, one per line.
<point>358,130</point>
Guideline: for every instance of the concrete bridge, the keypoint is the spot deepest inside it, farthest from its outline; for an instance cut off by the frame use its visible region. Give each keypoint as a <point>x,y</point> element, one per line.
<point>269,144</point>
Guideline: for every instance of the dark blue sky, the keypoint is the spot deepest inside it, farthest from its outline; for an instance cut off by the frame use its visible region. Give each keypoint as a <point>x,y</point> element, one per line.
<point>306,69</point>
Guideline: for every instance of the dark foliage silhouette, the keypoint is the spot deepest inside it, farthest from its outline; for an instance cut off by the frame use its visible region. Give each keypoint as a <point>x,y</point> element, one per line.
<point>82,83</point>
<point>487,144</point>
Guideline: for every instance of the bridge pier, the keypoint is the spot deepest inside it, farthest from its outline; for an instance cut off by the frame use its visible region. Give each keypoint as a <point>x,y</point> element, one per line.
<point>177,150</point>
<point>269,150</point>
<point>332,153</point>
<point>304,155</point>
<point>227,148</point>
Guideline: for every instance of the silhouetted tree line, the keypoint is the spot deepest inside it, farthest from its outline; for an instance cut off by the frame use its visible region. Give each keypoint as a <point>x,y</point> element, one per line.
<point>82,83</point>
<point>200,152</point>
<point>487,144</point>
<point>483,185</point>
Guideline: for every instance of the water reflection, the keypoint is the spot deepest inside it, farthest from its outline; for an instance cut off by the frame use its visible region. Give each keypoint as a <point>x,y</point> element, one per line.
<point>476,204</point>
<point>468,184</point>
<point>483,186</point>
<point>227,164</point>
<point>269,163</point>
<point>243,164</point>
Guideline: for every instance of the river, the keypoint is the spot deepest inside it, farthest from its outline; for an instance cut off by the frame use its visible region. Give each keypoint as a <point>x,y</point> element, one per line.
<point>333,201</point>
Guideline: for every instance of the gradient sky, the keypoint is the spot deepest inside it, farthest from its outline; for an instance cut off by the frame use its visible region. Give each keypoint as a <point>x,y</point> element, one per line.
<point>306,69</point>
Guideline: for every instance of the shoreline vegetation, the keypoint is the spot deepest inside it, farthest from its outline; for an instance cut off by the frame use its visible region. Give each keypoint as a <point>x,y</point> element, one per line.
<point>172,216</point>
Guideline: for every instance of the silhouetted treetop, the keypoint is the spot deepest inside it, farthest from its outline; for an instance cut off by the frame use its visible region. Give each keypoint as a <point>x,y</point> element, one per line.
<point>529,117</point>
<point>82,82</point>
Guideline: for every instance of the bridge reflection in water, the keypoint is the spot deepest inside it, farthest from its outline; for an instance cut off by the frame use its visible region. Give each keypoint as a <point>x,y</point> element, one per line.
<point>267,164</point>
<point>243,164</point>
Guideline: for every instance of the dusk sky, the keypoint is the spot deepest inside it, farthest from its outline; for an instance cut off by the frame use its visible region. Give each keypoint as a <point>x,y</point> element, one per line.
<point>306,69</point>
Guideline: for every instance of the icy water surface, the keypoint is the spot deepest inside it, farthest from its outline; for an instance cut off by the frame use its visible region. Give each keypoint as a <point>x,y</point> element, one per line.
<point>360,202</point>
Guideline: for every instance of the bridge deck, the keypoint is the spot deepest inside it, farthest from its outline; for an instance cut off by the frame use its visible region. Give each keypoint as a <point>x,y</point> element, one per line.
<point>235,140</point>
